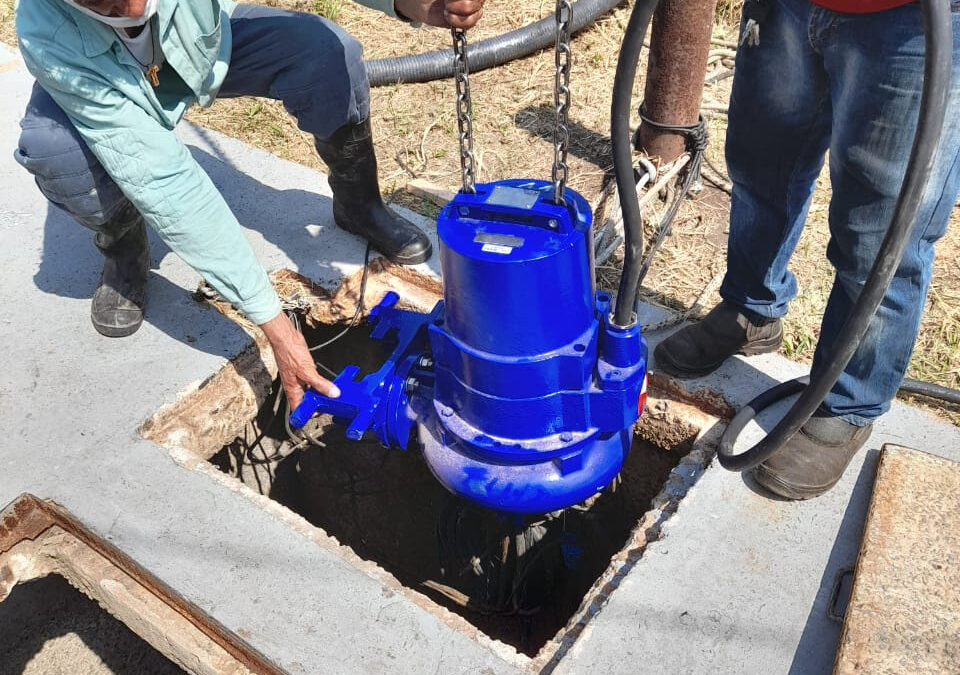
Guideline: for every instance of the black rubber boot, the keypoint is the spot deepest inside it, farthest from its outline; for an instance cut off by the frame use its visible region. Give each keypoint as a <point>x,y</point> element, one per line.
<point>357,204</point>
<point>117,308</point>
<point>814,459</point>
<point>701,348</point>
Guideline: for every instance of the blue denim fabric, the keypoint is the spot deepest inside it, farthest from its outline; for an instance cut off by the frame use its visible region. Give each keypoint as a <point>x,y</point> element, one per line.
<point>849,83</point>
<point>306,61</point>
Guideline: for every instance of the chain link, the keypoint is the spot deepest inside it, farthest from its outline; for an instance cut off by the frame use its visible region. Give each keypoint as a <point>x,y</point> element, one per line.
<point>561,102</point>
<point>561,99</point>
<point>461,74</point>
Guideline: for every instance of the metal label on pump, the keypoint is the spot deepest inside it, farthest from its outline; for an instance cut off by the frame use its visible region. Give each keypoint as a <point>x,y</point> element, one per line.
<point>518,198</point>
<point>498,243</point>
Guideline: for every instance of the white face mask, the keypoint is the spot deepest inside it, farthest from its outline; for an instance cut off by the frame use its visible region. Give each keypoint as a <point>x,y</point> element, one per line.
<point>119,21</point>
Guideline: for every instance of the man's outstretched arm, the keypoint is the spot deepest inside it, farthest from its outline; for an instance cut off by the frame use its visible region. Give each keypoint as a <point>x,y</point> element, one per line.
<point>177,198</point>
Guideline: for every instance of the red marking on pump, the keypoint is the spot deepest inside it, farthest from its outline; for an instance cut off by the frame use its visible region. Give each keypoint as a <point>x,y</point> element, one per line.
<point>642,400</point>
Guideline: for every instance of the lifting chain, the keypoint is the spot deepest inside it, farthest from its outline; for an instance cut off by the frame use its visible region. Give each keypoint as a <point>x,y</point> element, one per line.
<point>561,101</point>
<point>461,73</point>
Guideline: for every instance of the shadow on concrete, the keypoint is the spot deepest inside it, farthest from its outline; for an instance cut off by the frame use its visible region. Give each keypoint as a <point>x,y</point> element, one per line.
<point>741,381</point>
<point>817,648</point>
<point>46,626</point>
<point>70,268</point>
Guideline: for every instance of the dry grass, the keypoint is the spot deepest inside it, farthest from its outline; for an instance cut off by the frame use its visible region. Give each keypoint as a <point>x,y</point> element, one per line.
<point>416,136</point>
<point>7,33</point>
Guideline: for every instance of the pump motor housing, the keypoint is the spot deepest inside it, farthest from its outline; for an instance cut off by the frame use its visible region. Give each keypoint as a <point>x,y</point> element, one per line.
<point>521,389</point>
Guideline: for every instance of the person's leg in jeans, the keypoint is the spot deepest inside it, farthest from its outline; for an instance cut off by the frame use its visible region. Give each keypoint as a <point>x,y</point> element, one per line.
<point>316,69</point>
<point>70,176</point>
<point>875,64</point>
<point>778,133</point>
<point>779,129</point>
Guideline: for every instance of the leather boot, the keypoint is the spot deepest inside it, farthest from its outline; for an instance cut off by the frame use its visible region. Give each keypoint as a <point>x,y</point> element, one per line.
<point>701,348</point>
<point>814,459</point>
<point>117,308</point>
<point>357,205</point>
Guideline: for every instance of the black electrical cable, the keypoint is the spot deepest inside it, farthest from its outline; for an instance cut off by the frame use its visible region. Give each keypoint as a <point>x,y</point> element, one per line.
<point>697,141</point>
<point>487,53</point>
<point>930,390</point>
<point>640,16</point>
<point>357,312</point>
<point>937,27</point>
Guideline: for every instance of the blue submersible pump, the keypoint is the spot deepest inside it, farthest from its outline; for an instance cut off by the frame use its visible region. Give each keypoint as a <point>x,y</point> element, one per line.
<point>520,386</point>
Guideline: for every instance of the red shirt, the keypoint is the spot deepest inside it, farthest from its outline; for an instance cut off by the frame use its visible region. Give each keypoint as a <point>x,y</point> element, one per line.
<point>860,6</point>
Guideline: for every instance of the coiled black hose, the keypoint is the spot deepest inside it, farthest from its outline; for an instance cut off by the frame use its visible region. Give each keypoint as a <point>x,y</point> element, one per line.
<point>486,53</point>
<point>938,34</point>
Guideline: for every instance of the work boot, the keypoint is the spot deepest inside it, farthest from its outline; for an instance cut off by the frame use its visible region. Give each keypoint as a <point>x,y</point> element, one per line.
<point>700,348</point>
<point>814,459</point>
<point>117,308</point>
<point>357,204</point>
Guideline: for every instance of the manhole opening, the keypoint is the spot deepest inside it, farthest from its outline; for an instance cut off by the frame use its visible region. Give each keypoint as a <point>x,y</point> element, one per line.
<point>47,626</point>
<point>519,583</point>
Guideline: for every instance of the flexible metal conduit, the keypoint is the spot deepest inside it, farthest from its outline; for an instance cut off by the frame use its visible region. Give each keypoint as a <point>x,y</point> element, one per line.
<point>485,54</point>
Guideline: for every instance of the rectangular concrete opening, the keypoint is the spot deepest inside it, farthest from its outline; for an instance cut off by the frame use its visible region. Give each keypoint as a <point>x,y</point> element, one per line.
<point>47,626</point>
<point>520,583</point>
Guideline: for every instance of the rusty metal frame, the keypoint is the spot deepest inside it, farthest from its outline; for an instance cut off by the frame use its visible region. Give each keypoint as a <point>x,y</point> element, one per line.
<point>39,537</point>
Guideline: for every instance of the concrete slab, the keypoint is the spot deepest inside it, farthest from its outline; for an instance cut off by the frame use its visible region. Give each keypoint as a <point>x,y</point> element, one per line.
<point>739,583</point>
<point>70,402</point>
<point>904,613</point>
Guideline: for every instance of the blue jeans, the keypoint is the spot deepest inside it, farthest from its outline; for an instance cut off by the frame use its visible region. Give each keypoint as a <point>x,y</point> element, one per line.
<point>848,83</point>
<point>309,63</point>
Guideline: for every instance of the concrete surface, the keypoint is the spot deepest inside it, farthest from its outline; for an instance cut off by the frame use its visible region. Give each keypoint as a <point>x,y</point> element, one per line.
<point>71,400</point>
<point>50,628</point>
<point>738,584</point>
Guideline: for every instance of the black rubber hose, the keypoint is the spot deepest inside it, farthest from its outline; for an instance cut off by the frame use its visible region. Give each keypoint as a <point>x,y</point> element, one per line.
<point>486,53</point>
<point>938,34</point>
<point>930,391</point>
<point>624,314</point>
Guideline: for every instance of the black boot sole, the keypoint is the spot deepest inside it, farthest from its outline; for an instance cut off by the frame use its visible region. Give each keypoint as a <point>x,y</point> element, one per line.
<point>781,488</point>
<point>666,364</point>
<point>117,331</point>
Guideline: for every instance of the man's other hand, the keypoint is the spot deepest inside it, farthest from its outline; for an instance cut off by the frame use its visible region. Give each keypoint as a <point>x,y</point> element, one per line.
<point>296,366</point>
<point>442,13</point>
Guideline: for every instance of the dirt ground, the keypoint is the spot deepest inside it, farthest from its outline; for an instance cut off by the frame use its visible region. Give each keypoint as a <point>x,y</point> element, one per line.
<point>49,628</point>
<point>415,131</point>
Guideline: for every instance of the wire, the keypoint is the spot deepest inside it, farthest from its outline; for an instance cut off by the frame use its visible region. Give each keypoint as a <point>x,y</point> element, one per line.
<point>697,141</point>
<point>359,310</point>
<point>640,16</point>
<point>305,435</point>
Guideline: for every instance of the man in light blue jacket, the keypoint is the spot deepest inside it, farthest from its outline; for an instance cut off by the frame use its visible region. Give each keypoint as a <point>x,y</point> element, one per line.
<point>114,77</point>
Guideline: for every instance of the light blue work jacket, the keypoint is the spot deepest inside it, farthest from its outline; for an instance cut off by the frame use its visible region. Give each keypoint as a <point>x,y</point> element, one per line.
<point>128,125</point>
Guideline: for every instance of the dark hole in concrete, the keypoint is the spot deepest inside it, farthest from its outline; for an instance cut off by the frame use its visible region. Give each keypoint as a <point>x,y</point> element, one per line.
<point>517,582</point>
<point>47,627</point>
